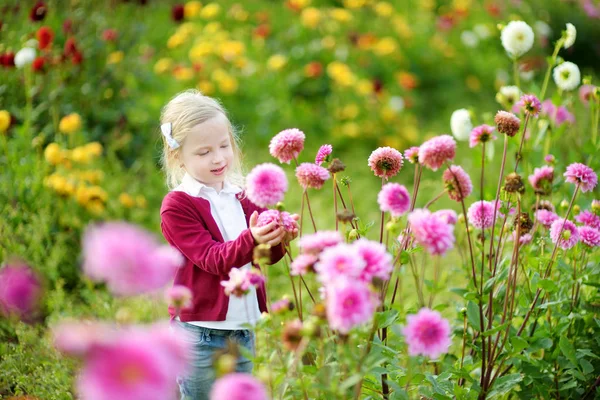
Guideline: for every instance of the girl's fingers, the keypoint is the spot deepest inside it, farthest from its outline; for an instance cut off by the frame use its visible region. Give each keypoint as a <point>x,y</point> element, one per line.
<point>264,229</point>
<point>272,235</point>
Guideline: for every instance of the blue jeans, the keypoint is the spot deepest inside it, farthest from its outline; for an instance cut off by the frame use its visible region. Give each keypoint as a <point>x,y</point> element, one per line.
<point>198,383</point>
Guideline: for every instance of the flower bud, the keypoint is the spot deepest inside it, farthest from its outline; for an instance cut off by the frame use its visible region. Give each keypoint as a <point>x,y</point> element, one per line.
<point>564,204</point>
<point>513,183</point>
<point>576,209</point>
<point>566,235</point>
<point>353,235</point>
<point>524,223</point>
<point>336,166</point>
<point>123,316</point>
<point>596,207</point>
<point>345,216</point>
<point>225,364</point>
<point>280,206</point>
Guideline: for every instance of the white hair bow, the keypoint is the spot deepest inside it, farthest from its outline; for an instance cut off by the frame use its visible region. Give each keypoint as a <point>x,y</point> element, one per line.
<point>166,131</point>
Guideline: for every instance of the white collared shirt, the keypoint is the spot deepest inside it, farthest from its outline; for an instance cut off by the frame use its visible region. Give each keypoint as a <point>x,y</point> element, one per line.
<point>227,212</point>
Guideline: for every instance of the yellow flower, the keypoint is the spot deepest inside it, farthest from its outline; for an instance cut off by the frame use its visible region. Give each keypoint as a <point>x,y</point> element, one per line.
<point>354,3</point>
<point>387,114</point>
<point>4,121</point>
<point>210,11</point>
<point>473,83</point>
<point>232,49</point>
<point>95,207</point>
<point>92,196</point>
<point>384,9</point>
<point>328,42</point>
<point>298,4</point>
<point>192,9</point>
<point>392,141</point>
<point>70,124</point>
<point>115,57</point>
<point>94,148</point>
<point>212,28</point>
<point>350,111</point>
<point>385,46</point>
<point>238,13</point>
<point>311,17</point>
<point>126,200</point>
<point>402,27</point>
<point>163,65</point>
<point>340,15</point>
<point>141,201</point>
<point>200,51</point>
<point>228,85</point>
<point>461,5</point>
<point>206,87</point>
<point>54,154</point>
<point>219,74</point>
<point>351,129</point>
<point>340,73</point>
<point>175,41</point>
<point>81,155</point>
<point>241,62</point>
<point>276,62</point>
<point>183,74</point>
<point>364,87</point>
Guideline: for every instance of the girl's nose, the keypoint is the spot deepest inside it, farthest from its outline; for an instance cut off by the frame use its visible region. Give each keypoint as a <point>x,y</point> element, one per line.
<point>218,158</point>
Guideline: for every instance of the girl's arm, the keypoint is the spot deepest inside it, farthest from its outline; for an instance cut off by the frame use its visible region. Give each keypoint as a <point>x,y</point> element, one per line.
<point>195,242</point>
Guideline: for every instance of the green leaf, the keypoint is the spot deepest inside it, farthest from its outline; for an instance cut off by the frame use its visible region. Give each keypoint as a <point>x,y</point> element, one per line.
<point>518,343</point>
<point>548,285</point>
<point>386,318</point>
<point>568,350</point>
<point>586,366</point>
<point>473,315</point>
<point>505,384</point>
<point>496,329</point>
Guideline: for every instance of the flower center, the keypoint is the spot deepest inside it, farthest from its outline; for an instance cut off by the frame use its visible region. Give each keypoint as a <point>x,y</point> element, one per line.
<point>131,373</point>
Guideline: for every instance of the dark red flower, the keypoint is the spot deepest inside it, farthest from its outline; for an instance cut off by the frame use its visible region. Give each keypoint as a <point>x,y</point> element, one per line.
<point>263,30</point>
<point>177,12</point>
<point>8,59</point>
<point>70,47</point>
<point>38,64</point>
<point>38,12</point>
<point>45,36</point>
<point>110,35</point>
<point>67,26</point>
<point>313,69</point>
<point>77,57</point>
<point>377,85</point>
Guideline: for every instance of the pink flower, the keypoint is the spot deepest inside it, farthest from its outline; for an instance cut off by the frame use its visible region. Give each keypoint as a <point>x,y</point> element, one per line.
<point>378,262</point>
<point>549,159</point>
<point>241,280</point>
<point>319,241</point>
<point>179,296</point>
<point>558,115</point>
<point>481,134</point>
<point>541,180</point>
<point>588,218</point>
<point>130,260</point>
<point>447,215</point>
<point>412,155</point>
<point>20,292</point>
<point>394,198</point>
<point>76,338</point>
<point>427,333</point>
<point>507,123</point>
<point>349,304</point>
<point>238,386</point>
<point>524,239</point>
<point>283,219</point>
<point>589,236</point>
<point>323,154</point>
<point>481,214</point>
<point>137,364</point>
<point>530,104</point>
<point>545,217</point>
<point>581,174</point>
<point>566,237</point>
<point>282,305</point>
<point>266,185</point>
<point>457,183</point>
<point>431,231</point>
<point>302,264</point>
<point>436,151</point>
<point>385,162</point>
<point>287,144</point>
<point>341,261</point>
<point>311,175</point>
<point>585,93</point>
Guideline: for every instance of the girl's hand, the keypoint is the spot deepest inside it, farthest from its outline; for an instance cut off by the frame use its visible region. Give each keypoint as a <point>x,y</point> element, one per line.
<point>266,234</point>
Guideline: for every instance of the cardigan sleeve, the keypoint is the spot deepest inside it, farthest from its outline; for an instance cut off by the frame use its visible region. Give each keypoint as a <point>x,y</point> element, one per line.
<point>191,237</point>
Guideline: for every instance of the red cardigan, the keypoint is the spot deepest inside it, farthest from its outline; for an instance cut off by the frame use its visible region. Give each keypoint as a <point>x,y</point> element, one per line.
<point>187,224</point>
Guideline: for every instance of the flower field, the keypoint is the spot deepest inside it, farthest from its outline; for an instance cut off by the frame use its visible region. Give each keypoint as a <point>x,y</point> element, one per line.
<point>442,157</point>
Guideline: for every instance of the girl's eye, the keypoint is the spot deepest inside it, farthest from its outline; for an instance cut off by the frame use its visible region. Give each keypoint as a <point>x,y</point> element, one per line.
<point>203,154</point>
<point>224,146</point>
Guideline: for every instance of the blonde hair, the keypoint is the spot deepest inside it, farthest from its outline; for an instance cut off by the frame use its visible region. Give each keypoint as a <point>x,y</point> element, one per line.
<point>184,111</point>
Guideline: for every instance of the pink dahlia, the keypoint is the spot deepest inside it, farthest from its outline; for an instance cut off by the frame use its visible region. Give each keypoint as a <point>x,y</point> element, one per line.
<point>541,180</point>
<point>238,386</point>
<point>266,184</point>
<point>546,217</point>
<point>76,338</point>
<point>481,214</point>
<point>283,218</point>
<point>447,215</point>
<point>457,183</point>
<point>287,144</point>
<point>588,218</point>
<point>378,262</point>
<point>302,264</point>
<point>585,93</point>
<point>507,123</point>
<point>20,292</point>
<point>319,241</point>
<point>568,235</point>
<point>394,198</point>
<point>436,151</point>
<point>524,239</point>
<point>589,236</point>
<point>341,261</point>
<point>179,296</point>
<point>530,104</point>
<point>282,305</point>
<point>323,154</point>
<point>241,280</point>
<point>558,115</point>
<point>130,260</point>
<point>412,155</point>
<point>427,333</point>
<point>311,175</point>
<point>431,231</point>
<point>385,162</point>
<point>583,175</point>
<point>549,159</point>
<point>481,134</point>
<point>349,304</point>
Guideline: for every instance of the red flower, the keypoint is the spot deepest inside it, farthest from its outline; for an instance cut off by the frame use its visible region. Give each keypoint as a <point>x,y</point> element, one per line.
<point>38,12</point>
<point>67,26</point>
<point>377,85</point>
<point>38,64</point>
<point>70,47</point>
<point>493,9</point>
<point>313,69</point>
<point>8,59</point>
<point>263,30</point>
<point>45,36</point>
<point>77,57</point>
<point>110,35</point>
<point>177,12</point>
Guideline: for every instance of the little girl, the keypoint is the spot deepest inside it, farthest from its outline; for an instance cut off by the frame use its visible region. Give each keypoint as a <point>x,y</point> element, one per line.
<point>209,220</point>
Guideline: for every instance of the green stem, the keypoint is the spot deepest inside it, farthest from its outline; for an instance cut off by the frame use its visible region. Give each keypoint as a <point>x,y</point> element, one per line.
<point>559,44</point>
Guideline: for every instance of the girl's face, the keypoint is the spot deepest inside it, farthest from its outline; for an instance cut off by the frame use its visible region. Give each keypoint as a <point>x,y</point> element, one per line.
<point>207,152</point>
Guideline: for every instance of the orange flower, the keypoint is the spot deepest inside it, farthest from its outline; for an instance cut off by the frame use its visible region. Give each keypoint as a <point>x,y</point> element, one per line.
<point>45,36</point>
<point>407,80</point>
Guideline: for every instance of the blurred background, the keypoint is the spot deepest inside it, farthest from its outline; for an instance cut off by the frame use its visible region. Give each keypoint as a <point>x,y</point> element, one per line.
<point>79,137</point>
